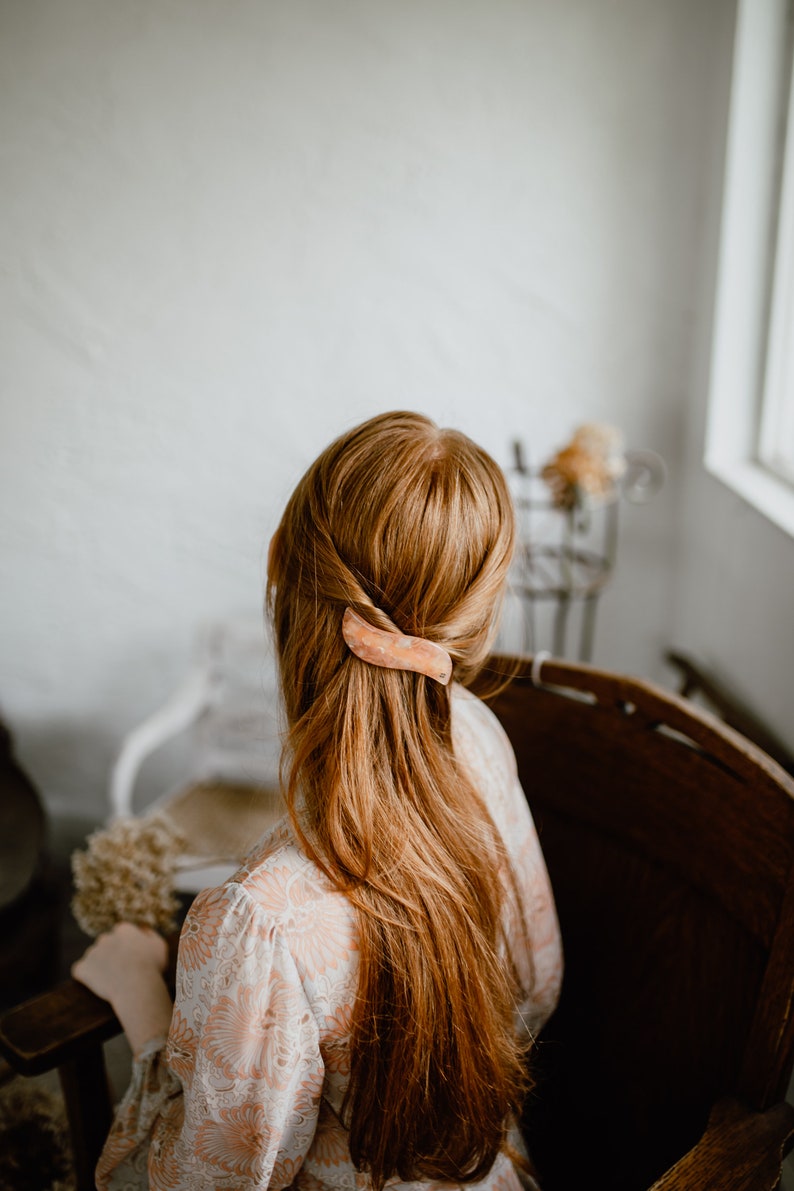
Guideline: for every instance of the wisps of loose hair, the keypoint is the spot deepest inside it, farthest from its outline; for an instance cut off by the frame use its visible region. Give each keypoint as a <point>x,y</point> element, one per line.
<point>412,527</point>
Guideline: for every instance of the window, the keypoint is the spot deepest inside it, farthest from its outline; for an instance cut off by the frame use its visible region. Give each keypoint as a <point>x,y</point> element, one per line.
<point>776,431</point>
<point>750,430</point>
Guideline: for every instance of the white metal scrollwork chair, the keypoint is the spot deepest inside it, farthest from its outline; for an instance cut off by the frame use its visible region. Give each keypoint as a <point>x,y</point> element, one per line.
<point>228,794</point>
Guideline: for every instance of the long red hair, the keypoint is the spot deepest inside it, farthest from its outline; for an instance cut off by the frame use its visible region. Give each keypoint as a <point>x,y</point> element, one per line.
<point>412,527</point>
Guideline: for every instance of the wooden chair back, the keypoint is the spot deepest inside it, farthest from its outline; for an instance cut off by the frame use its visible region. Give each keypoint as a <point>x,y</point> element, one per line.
<point>669,840</point>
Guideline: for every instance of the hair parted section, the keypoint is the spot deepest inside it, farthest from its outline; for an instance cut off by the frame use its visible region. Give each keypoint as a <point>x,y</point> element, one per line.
<point>413,528</point>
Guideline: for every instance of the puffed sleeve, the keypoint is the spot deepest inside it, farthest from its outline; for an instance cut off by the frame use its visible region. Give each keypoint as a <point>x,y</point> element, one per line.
<point>232,1099</point>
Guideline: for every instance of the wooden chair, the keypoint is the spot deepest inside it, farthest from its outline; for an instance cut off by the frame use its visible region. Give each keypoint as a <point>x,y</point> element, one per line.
<point>670,843</point>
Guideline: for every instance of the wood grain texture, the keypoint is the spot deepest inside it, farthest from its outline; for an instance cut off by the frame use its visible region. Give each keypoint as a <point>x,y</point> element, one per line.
<point>61,1024</point>
<point>55,1028</point>
<point>740,1151</point>
<point>669,841</point>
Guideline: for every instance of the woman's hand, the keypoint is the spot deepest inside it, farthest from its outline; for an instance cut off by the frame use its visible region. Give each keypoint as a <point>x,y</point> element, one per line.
<point>126,953</point>
<point>126,966</point>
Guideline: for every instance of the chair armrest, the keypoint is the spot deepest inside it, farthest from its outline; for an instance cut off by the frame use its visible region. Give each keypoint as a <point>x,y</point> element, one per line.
<point>53,1028</point>
<point>740,1151</point>
<point>65,1028</point>
<point>182,709</point>
<point>56,1027</point>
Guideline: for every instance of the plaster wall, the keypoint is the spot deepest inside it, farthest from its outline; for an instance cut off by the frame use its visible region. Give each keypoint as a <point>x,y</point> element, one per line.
<point>232,229</point>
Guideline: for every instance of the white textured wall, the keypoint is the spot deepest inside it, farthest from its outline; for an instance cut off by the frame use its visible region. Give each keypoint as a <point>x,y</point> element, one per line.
<point>232,228</point>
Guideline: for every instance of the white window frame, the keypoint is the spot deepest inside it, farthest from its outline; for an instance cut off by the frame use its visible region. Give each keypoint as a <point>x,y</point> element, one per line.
<point>776,437</point>
<point>752,364</point>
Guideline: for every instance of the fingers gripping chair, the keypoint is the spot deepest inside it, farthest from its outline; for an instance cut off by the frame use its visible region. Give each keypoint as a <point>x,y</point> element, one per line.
<point>670,844</point>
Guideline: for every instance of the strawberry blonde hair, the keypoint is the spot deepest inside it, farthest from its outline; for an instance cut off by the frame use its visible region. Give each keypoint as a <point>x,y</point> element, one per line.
<point>412,527</point>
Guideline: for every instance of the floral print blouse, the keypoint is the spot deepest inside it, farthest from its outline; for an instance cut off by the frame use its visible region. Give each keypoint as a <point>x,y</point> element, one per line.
<point>246,1091</point>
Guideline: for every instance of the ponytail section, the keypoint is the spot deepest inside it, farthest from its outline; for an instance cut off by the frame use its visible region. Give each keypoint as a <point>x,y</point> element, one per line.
<point>410,527</point>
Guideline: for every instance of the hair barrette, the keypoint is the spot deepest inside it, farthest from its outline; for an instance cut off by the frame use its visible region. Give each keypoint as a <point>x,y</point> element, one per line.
<point>394,650</point>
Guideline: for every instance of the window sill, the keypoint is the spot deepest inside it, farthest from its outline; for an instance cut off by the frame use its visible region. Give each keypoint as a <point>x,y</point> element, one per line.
<point>760,488</point>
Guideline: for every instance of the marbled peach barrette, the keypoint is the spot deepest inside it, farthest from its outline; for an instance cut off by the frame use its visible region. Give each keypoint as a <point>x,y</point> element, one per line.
<point>395,651</point>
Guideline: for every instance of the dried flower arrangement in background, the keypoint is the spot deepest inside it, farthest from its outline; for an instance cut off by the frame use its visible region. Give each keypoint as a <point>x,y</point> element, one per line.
<point>588,469</point>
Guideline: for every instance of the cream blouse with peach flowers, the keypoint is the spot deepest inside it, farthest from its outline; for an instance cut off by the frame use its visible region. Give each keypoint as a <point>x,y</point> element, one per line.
<point>246,1092</point>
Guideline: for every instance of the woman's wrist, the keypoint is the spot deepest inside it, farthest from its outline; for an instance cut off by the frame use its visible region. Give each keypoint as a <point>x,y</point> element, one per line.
<point>143,1006</point>
<point>125,967</point>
